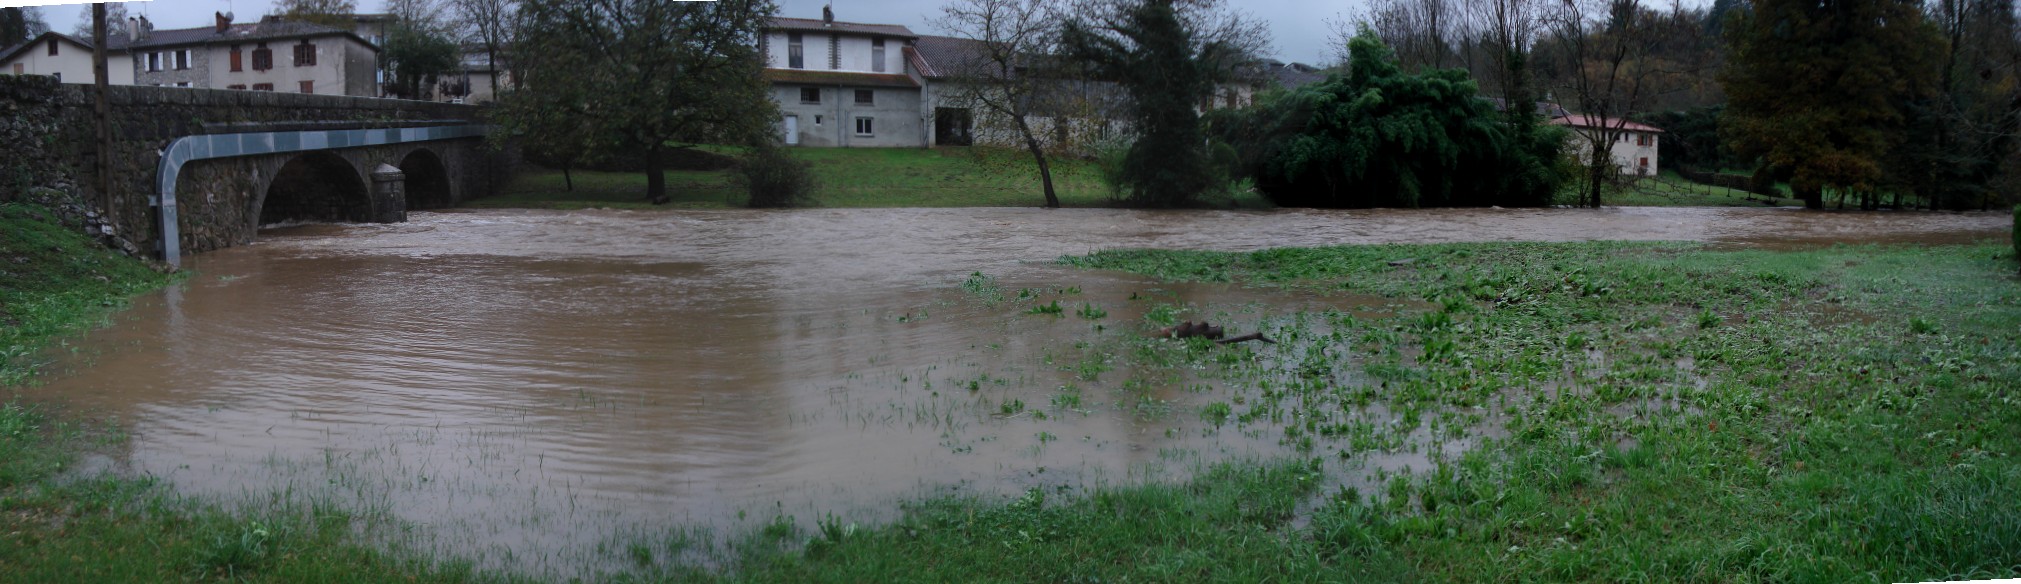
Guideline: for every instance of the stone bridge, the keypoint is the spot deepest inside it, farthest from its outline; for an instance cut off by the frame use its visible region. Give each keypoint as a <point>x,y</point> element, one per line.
<point>197,169</point>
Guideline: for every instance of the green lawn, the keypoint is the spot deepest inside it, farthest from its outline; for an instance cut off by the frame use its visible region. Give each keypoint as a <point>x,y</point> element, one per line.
<point>1669,189</point>
<point>845,177</point>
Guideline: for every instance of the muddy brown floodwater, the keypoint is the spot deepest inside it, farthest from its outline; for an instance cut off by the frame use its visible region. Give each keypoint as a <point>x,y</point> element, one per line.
<point>522,385</point>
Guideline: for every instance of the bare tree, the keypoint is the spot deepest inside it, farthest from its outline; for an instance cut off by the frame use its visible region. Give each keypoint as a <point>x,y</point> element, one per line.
<point>1600,55</point>
<point>997,73</point>
<point>115,21</point>
<point>1425,34</point>
<point>488,24</point>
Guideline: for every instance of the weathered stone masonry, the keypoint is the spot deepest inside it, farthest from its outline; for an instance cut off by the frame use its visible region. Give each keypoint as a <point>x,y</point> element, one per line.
<point>47,136</point>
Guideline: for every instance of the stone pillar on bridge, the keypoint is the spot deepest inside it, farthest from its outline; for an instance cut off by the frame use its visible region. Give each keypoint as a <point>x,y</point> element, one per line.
<point>389,194</point>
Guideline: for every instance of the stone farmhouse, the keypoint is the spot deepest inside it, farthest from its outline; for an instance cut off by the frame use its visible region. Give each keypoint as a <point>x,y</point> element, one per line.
<point>265,56</point>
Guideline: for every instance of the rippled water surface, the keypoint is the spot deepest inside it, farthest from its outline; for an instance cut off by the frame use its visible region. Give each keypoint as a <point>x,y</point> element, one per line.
<point>522,383</point>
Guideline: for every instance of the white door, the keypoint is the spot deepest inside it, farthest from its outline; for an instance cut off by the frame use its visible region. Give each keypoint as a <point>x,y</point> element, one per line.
<point>792,130</point>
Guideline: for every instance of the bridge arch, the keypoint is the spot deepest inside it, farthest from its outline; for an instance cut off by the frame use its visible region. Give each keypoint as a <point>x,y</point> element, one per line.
<point>428,185</point>
<point>316,186</point>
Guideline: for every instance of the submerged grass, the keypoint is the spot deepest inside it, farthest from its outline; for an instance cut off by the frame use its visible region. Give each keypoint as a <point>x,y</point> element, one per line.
<point>1636,411</point>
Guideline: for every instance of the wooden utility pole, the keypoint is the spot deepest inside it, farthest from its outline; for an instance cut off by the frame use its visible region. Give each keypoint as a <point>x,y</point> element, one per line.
<point>99,83</point>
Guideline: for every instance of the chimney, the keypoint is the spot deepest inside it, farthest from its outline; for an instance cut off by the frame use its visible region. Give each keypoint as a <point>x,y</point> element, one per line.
<point>146,28</point>
<point>224,21</point>
<point>828,15</point>
<point>132,29</point>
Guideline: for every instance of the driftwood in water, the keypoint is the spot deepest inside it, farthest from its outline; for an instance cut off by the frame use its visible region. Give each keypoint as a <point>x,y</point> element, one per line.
<point>1189,329</point>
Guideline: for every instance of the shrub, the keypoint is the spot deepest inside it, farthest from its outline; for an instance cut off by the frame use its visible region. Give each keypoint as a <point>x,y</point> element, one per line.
<point>776,179</point>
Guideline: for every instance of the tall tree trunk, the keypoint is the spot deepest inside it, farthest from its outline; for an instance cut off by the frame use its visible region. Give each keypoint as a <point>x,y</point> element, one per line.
<point>1039,154</point>
<point>656,177</point>
<point>566,177</point>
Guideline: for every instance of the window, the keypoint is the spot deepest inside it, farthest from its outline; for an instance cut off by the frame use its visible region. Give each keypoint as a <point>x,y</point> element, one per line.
<point>52,47</point>
<point>240,87</point>
<point>1642,139</point>
<point>238,63</point>
<point>796,56</point>
<point>877,55</point>
<point>263,58</point>
<point>863,127</point>
<point>263,87</point>
<point>182,84</point>
<point>1645,163</point>
<point>308,87</point>
<point>182,60</point>
<point>866,97</point>
<point>817,120</point>
<point>810,95</point>
<point>154,61</point>
<point>305,54</point>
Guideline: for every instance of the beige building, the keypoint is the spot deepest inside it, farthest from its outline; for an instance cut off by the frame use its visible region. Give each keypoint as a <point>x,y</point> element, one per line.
<point>64,57</point>
<point>1633,145</point>
<point>263,56</point>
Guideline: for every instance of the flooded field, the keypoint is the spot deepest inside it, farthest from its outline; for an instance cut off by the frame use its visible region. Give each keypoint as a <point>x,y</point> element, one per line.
<point>524,385</point>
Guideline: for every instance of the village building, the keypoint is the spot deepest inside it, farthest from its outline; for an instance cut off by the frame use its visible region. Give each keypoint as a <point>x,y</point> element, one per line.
<point>1633,145</point>
<point>65,57</point>
<point>264,56</point>
<point>846,84</point>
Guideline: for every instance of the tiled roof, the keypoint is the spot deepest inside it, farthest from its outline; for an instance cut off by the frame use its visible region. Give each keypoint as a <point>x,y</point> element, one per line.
<point>247,32</point>
<point>946,56</point>
<point>782,23</point>
<point>1586,121</point>
<point>805,77</point>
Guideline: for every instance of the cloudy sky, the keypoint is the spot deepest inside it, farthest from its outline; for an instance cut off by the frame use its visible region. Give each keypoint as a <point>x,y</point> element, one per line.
<point>1301,29</point>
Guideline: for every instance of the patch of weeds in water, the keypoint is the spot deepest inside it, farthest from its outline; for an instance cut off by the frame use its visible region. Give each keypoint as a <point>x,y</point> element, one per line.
<point>1011,407</point>
<point>1921,326</point>
<point>1216,413</point>
<point>983,287</point>
<point>1706,319</point>
<point>1068,398</point>
<point>1162,315</point>
<point>1091,312</point>
<point>1052,308</point>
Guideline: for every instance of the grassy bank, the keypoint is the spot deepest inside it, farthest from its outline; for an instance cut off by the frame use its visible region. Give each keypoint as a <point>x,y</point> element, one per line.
<point>62,520</point>
<point>1618,411</point>
<point>847,177</point>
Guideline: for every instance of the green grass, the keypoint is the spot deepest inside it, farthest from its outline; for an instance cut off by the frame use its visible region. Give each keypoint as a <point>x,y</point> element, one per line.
<point>845,177</point>
<point>1670,189</point>
<point>1836,414</point>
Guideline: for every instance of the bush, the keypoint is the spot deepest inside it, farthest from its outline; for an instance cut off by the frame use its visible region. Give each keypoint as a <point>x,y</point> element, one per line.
<point>776,179</point>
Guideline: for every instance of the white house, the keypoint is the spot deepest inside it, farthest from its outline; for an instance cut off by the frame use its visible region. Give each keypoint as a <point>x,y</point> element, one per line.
<point>846,83</point>
<point>1634,145</point>
<point>64,57</point>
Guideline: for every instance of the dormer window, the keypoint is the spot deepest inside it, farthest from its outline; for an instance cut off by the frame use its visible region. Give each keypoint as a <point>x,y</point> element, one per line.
<point>796,52</point>
<point>877,54</point>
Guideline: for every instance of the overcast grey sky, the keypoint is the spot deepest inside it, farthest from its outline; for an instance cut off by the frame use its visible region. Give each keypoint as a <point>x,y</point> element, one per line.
<point>1300,29</point>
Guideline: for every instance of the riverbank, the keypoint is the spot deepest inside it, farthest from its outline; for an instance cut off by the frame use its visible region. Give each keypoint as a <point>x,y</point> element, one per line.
<point>1591,411</point>
<point>68,515</point>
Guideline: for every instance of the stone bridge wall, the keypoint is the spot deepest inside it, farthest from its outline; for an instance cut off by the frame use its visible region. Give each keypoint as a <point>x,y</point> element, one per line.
<point>49,134</point>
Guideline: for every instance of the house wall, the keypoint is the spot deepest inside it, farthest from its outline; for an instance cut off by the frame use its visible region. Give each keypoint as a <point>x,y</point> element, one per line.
<point>72,63</point>
<point>855,50</point>
<point>197,75</point>
<point>1626,153</point>
<point>896,117</point>
<point>327,75</point>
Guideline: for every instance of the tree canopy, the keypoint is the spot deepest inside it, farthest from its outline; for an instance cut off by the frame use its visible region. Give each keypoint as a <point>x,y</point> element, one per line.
<point>1820,87</point>
<point>1379,137</point>
<point>331,13</point>
<point>1168,55</point>
<point>643,75</point>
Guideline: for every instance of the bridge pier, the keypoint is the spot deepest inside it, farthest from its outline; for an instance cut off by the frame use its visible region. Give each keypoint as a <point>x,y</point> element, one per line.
<point>389,194</point>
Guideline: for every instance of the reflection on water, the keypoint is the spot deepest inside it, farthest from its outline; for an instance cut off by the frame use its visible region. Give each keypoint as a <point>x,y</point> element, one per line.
<point>528,381</point>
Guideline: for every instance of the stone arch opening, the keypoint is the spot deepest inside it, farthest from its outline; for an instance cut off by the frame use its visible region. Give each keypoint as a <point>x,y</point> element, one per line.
<point>317,186</point>
<point>427,180</point>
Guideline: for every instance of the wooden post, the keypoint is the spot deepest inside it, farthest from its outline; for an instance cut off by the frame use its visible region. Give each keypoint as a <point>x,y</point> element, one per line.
<point>100,80</point>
